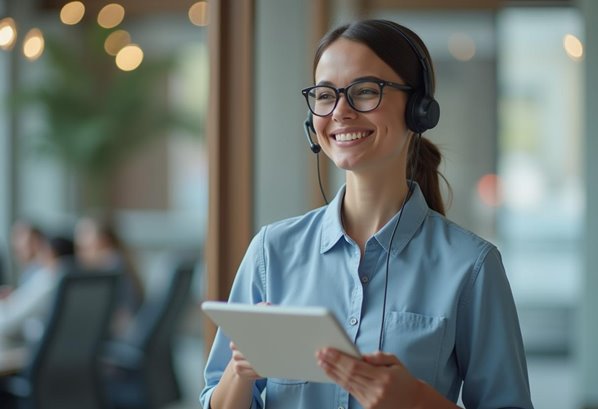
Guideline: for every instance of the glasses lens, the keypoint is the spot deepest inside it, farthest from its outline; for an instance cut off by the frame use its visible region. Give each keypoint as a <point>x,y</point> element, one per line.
<point>364,96</point>
<point>322,100</point>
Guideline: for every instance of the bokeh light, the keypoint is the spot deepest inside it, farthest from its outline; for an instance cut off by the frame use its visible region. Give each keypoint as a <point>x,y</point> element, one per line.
<point>72,13</point>
<point>461,46</point>
<point>489,190</point>
<point>129,57</point>
<point>33,45</point>
<point>116,41</point>
<point>573,47</point>
<point>8,33</point>
<point>111,15</point>
<point>198,13</point>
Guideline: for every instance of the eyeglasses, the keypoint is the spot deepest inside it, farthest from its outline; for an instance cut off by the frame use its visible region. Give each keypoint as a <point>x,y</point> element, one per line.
<point>362,95</point>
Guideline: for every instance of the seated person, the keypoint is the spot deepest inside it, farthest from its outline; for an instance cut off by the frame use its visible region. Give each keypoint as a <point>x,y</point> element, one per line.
<point>26,241</point>
<point>99,247</point>
<point>24,310</point>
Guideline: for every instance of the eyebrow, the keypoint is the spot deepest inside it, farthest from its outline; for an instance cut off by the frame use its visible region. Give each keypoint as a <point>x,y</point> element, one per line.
<point>366,78</point>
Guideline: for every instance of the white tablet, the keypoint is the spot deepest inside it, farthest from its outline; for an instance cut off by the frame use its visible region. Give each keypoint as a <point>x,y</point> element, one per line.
<point>281,341</point>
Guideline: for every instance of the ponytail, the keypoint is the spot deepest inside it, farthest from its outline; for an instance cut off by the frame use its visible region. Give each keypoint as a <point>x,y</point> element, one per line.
<point>426,158</point>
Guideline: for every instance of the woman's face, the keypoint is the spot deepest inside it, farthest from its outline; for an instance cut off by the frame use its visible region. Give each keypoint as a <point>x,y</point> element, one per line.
<point>383,137</point>
<point>89,245</point>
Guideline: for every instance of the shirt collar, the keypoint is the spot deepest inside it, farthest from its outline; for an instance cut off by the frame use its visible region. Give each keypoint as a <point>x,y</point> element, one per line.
<point>332,227</point>
<point>415,210</point>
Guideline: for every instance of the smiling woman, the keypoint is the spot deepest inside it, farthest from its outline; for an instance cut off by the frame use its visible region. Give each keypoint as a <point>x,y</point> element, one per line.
<point>426,302</point>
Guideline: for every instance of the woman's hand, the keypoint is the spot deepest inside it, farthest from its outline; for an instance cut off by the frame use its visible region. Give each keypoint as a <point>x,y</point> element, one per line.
<point>241,366</point>
<point>377,381</point>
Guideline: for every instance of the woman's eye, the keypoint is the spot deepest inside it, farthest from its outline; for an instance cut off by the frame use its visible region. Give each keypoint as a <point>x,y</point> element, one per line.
<point>367,91</point>
<point>323,96</point>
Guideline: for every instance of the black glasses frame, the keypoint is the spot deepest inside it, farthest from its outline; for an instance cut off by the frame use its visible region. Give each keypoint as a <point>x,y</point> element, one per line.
<point>339,91</point>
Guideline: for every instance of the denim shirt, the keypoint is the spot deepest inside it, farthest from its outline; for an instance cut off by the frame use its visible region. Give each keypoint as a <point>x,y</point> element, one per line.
<point>449,317</point>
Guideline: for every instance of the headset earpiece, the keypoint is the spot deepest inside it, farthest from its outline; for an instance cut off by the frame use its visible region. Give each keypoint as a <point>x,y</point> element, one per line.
<point>422,112</point>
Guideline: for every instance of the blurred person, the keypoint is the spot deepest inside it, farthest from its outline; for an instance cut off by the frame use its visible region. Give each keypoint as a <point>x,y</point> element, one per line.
<point>26,240</point>
<point>24,310</point>
<point>97,246</point>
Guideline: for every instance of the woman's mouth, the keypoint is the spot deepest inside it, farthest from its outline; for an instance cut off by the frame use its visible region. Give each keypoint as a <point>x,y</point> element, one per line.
<point>351,136</point>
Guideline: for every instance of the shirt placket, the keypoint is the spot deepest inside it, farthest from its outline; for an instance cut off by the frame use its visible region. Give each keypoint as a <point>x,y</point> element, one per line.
<point>353,319</point>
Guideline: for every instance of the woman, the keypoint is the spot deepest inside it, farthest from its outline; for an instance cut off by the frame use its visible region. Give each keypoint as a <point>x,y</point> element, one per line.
<point>426,302</point>
<point>24,310</point>
<point>98,247</point>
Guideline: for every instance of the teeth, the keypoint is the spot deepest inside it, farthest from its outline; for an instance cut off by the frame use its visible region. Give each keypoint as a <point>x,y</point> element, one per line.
<point>350,136</point>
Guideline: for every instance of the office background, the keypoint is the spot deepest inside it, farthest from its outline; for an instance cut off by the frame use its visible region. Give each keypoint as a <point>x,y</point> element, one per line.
<point>518,108</point>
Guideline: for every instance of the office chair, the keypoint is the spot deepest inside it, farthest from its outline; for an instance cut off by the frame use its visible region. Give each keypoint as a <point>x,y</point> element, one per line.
<point>64,370</point>
<point>139,369</point>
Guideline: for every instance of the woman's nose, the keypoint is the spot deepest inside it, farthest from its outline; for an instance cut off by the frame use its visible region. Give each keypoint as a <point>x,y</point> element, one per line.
<point>343,109</point>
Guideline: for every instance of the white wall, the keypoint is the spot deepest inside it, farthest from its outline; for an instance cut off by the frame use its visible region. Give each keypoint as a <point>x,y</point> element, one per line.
<point>281,71</point>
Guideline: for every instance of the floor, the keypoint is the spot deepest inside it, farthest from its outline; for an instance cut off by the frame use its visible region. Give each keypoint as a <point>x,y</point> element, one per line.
<point>552,380</point>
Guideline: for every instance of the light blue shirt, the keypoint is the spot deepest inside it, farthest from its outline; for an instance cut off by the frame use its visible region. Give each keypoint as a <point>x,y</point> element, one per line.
<point>450,315</point>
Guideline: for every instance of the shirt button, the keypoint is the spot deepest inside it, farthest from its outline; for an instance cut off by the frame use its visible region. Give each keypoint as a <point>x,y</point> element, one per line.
<point>353,321</point>
<point>364,279</point>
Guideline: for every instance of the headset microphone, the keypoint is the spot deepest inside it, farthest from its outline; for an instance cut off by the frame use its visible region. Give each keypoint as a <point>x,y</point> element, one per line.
<point>308,127</point>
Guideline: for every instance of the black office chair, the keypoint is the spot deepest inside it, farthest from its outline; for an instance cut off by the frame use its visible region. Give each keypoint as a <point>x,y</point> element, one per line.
<point>139,370</point>
<point>64,370</point>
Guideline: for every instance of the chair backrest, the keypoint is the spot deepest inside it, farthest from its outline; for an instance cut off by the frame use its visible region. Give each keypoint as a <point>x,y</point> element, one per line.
<point>159,317</point>
<point>154,332</point>
<point>64,370</point>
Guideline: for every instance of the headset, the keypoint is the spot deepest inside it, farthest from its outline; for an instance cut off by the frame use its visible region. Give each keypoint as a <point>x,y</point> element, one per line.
<point>308,127</point>
<point>422,111</point>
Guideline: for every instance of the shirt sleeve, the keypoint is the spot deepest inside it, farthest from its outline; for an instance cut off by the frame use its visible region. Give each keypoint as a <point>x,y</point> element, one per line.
<point>249,288</point>
<point>29,300</point>
<point>489,346</point>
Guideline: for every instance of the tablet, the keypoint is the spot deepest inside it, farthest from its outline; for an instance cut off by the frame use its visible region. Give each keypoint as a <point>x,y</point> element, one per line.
<point>281,341</point>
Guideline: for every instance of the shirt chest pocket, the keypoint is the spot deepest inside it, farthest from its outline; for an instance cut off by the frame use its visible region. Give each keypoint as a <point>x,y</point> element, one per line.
<point>416,340</point>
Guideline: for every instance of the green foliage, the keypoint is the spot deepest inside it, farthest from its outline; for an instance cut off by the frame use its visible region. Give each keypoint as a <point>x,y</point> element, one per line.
<point>95,114</point>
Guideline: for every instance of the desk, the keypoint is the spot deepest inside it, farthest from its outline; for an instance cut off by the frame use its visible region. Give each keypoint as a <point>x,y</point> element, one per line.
<point>12,359</point>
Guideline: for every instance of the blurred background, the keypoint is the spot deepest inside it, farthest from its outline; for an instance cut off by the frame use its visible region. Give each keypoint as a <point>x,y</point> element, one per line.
<point>181,123</point>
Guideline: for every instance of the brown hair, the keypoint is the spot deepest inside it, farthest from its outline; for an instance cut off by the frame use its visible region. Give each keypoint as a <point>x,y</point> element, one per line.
<point>387,40</point>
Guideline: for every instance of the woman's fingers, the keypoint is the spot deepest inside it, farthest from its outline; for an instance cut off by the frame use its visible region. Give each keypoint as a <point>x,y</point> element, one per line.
<point>241,365</point>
